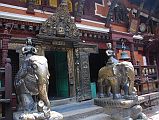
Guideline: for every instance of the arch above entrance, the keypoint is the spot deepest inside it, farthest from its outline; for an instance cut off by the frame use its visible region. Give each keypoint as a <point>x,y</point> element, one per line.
<point>59,24</point>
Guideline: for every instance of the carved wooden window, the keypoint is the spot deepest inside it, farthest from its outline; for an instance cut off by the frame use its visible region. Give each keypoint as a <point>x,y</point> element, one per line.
<point>53,3</point>
<point>23,0</point>
<point>76,6</point>
<point>45,2</point>
<point>38,2</point>
<point>69,2</point>
<point>134,25</point>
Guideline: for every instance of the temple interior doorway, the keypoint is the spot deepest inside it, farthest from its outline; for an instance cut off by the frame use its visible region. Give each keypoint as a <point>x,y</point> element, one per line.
<point>96,62</point>
<point>14,56</point>
<point>58,81</point>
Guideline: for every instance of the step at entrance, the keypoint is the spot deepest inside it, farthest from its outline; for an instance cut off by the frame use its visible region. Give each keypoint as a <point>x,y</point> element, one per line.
<point>75,111</point>
<point>82,113</point>
<point>62,102</point>
<point>101,116</point>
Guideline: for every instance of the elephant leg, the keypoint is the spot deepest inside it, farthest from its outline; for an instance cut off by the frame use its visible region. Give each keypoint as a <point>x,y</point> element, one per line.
<point>108,91</point>
<point>19,106</point>
<point>43,94</point>
<point>131,88</point>
<point>131,85</point>
<point>26,102</point>
<point>126,88</point>
<point>101,91</point>
<point>115,89</point>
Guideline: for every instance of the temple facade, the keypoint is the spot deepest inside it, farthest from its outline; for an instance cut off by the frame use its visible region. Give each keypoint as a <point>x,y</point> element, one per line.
<point>73,34</point>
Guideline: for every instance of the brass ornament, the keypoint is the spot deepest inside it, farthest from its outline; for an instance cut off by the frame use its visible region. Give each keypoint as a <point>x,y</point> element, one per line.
<point>60,24</point>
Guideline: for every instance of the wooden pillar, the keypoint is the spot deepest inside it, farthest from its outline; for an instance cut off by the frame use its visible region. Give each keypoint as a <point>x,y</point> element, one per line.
<point>8,90</point>
<point>114,45</point>
<point>77,73</point>
<point>132,54</point>
<point>71,72</point>
<point>85,75</point>
<point>5,38</point>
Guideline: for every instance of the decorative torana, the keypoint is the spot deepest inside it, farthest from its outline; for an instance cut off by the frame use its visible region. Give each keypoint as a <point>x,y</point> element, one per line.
<point>60,24</point>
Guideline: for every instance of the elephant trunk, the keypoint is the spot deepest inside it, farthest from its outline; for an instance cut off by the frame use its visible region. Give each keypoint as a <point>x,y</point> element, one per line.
<point>43,94</point>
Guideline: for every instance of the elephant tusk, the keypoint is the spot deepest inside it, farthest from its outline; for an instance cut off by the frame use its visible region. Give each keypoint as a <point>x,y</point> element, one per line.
<point>41,103</point>
<point>36,76</point>
<point>47,76</point>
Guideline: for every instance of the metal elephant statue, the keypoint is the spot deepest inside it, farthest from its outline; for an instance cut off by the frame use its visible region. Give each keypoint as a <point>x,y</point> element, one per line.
<point>113,78</point>
<point>32,79</point>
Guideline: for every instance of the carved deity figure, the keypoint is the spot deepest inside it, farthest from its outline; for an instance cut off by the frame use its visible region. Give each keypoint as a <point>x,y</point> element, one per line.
<point>111,54</point>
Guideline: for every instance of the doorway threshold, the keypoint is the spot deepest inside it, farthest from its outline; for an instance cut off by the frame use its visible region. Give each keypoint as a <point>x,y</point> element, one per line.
<point>57,102</point>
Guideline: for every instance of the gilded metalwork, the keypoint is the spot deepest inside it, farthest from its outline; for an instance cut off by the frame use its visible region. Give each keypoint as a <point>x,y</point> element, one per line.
<point>60,24</point>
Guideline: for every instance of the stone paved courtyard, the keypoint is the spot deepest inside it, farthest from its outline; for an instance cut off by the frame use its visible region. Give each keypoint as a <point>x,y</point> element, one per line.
<point>152,113</point>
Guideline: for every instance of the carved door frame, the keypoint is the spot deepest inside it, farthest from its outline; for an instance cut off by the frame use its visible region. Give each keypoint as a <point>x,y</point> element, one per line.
<point>70,63</point>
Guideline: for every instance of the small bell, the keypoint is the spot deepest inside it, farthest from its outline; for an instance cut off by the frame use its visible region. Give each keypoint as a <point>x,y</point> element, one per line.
<point>124,56</point>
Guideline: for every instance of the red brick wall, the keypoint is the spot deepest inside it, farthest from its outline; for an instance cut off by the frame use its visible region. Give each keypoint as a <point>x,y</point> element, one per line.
<point>138,56</point>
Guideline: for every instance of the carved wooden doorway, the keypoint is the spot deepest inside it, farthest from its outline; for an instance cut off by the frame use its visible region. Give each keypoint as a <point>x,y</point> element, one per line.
<point>58,82</point>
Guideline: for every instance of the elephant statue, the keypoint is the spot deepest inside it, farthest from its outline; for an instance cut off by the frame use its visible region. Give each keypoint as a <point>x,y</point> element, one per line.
<point>113,78</point>
<point>32,80</point>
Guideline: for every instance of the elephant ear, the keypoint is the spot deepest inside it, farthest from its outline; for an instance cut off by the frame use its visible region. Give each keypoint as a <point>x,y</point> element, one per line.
<point>115,70</point>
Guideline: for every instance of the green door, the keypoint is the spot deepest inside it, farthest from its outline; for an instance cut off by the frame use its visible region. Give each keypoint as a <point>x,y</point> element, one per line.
<point>61,74</point>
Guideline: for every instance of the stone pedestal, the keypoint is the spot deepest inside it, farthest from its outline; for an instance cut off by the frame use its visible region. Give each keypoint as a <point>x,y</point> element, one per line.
<point>37,116</point>
<point>121,109</point>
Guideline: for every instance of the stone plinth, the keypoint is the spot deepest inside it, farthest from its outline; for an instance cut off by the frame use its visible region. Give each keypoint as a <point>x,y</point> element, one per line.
<point>121,109</point>
<point>37,116</point>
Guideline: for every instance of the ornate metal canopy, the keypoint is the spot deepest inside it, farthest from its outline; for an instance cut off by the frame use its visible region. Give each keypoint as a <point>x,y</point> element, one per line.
<point>59,24</point>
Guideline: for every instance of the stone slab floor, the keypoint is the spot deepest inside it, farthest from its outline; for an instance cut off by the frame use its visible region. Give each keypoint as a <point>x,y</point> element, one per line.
<point>152,113</point>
